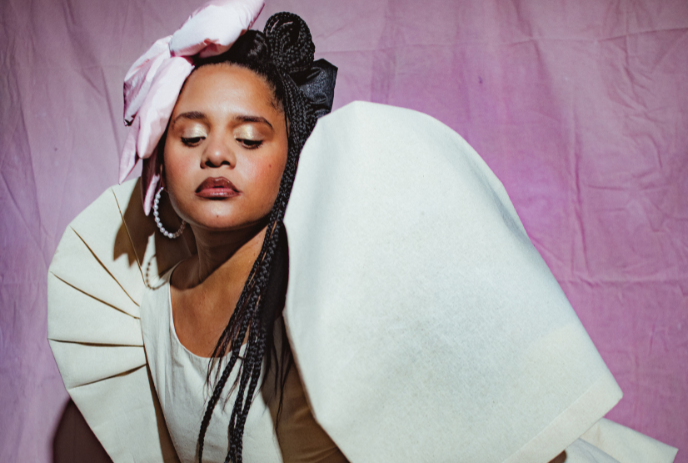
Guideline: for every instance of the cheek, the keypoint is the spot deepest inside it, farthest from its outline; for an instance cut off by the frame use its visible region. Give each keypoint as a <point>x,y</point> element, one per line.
<point>176,169</point>
<point>267,176</point>
<point>179,182</point>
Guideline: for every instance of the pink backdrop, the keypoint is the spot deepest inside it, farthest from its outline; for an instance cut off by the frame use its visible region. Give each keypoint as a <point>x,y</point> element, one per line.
<point>579,106</point>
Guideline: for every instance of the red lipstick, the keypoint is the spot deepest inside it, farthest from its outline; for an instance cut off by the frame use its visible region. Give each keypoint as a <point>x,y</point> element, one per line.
<point>216,188</point>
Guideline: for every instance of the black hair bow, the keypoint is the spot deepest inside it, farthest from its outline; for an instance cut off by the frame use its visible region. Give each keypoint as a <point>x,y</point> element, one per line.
<point>317,85</point>
<point>292,49</point>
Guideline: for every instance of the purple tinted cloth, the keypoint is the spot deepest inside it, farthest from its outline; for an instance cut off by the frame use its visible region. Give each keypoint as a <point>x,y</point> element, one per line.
<point>579,106</point>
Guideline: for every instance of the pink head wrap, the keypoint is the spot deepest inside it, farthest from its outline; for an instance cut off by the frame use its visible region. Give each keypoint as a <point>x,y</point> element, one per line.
<point>153,83</point>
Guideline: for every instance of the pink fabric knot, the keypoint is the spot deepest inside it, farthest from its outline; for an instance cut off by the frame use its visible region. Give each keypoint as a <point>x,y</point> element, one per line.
<point>153,83</point>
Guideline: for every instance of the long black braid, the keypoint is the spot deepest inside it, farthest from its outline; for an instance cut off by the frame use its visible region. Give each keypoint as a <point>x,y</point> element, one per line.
<point>281,52</point>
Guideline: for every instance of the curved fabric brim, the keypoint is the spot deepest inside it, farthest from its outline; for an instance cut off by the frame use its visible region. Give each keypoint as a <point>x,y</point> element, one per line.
<point>425,325</point>
<point>95,285</point>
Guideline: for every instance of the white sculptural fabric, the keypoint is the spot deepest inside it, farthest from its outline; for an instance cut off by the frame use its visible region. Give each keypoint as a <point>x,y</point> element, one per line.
<point>424,324</point>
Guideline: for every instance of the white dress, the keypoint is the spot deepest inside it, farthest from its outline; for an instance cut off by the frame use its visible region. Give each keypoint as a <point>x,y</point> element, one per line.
<point>180,381</point>
<point>423,322</point>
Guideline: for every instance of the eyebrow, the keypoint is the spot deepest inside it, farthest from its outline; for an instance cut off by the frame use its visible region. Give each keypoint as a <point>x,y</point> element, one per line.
<point>193,115</point>
<point>197,115</point>
<point>254,119</point>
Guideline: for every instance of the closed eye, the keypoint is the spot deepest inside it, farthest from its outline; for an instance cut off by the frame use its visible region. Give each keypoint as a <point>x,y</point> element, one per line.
<point>192,141</point>
<point>250,144</point>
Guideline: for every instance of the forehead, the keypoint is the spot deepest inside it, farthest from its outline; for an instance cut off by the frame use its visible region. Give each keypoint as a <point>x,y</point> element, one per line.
<point>226,87</point>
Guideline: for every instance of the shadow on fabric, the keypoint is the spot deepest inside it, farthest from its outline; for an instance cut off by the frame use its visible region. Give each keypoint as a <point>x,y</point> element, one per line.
<point>74,442</point>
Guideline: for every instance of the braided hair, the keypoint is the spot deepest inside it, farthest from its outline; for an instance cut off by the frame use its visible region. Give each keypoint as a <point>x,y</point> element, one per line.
<point>279,54</point>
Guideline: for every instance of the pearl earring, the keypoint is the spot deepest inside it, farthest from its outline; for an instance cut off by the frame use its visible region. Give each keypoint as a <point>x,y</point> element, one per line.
<point>156,214</point>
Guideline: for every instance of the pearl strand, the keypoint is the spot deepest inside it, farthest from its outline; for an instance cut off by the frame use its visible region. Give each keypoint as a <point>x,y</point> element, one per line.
<point>156,215</point>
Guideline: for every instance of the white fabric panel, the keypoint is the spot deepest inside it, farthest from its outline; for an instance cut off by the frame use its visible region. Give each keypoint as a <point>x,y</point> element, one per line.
<point>424,323</point>
<point>108,240</point>
<point>78,316</point>
<point>75,263</point>
<point>82,364</point>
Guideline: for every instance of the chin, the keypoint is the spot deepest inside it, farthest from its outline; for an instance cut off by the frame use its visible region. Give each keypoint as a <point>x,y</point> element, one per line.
<point>228,222</point>
<point>225,215</point>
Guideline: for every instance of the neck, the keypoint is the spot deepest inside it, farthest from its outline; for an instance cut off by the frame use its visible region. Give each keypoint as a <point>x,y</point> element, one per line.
<point>235,251</point>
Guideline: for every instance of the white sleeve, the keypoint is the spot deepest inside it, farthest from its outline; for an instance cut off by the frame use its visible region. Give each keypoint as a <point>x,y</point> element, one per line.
<point>423,321</point>
<point>95,285</point>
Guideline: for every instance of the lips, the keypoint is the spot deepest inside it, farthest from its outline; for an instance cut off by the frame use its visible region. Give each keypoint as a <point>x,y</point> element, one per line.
<point>216,188</point>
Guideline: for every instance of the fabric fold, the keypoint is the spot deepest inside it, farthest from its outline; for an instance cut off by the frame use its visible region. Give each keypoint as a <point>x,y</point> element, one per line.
<point>84,318</point>
<point>96,282</point>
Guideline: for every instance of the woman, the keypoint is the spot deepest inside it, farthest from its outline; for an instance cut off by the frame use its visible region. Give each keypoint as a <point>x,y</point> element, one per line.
<point>228,165</point>
<point>381,373</point>
<point>227,158</point>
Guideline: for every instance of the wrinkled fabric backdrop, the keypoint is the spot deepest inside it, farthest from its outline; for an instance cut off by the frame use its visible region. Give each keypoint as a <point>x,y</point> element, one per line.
<point>579,106</point>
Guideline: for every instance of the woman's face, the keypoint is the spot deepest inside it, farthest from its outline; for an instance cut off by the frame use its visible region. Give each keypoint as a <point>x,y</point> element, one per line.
<point>226,149</point>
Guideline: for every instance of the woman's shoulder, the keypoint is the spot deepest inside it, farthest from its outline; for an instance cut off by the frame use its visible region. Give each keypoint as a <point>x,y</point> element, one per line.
<point>96,283</point>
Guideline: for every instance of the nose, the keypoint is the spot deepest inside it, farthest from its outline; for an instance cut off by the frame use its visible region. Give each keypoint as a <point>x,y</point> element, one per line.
<point>218,152</point>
